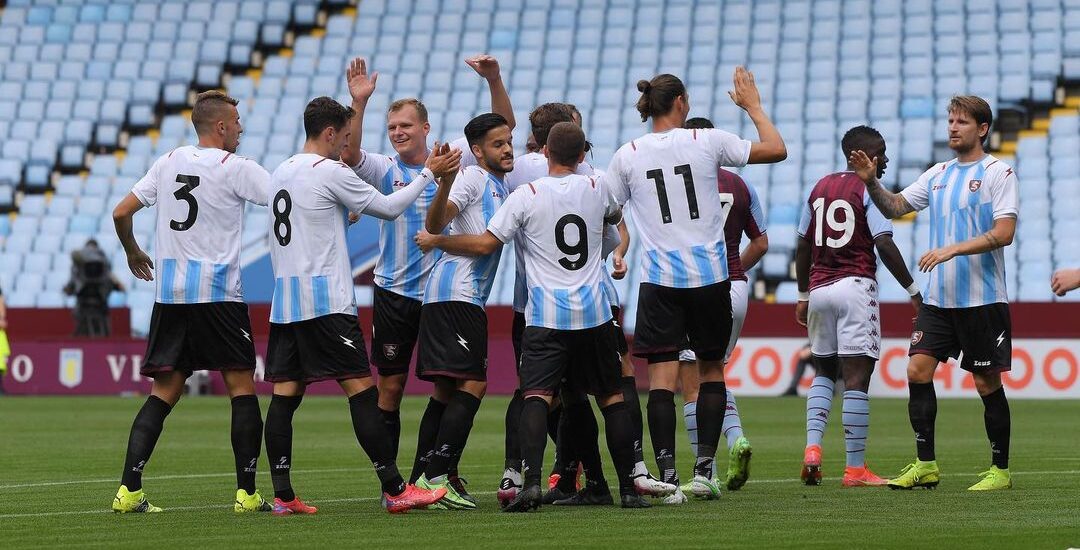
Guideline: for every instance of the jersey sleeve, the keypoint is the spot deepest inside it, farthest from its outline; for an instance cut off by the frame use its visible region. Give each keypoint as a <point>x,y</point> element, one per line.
<point>252,182</point>
<point>146,189</point>
<point>510,216</point>
<point>348,189</point>
<point>467,156</point>
<point>918,193</point>
<point>372,168</point>
<point>1004,194</point>
<point>610,240</point>
<point>729,149</point>
<point>755,223</point>
<point>466,189</point>
<point>616,181</point>
<point>804,219</point>
<point>875,220</point>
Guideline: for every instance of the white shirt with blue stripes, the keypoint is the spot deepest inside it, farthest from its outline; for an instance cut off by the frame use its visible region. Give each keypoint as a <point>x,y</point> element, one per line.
<point>669,180</point>
<point>200,195</point>
<point>477,195</point>
<point>963,200</point>
<point>561,221</point>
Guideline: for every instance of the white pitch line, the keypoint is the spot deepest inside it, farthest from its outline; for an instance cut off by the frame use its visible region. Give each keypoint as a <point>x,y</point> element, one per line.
<point>153,478</point>
<point>367,499</point>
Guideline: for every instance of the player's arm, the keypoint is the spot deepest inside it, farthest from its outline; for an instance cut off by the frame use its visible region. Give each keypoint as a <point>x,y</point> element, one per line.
<point>442,163</point>
<point>442,209</point>
<point>754,251</point>
<point>488,67</point>
<point>1000,235</point>
<point>361,86</point>
<point>618,256</point>
<point>802,279</point>
<point>893,205</point>
<point>755,231</point>
<point>1063,281</point>
<point>462,245</point>
<point>140,263</point>
<point>770,145</point>
<point>892,258</point>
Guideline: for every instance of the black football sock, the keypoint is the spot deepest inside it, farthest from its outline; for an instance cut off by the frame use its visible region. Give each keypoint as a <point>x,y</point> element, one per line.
<point>662,430</point>
<point>585,436</point>
<point>633,406</point>
<point>370,430</point>
<point>533,429</point>
<point>553,422</point>
<point>565,453</point>
<point>618,424</point>
<point>392,420</point>
<point>512,441</point>
<point>711,408</point>
<point>425,437</point>
<point>998,426</point>
<point>922,411</point>
<point>145,431</point>
<point>247,428</point>
<point>457,421</point>
<point>279,416</point>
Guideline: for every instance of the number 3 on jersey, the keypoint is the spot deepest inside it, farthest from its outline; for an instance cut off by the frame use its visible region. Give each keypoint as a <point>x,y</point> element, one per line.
<point>282,208</point>
<point>184,194</point>
<point>828,215</point>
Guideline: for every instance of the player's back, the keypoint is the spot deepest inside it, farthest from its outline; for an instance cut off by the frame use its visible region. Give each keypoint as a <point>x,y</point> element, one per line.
<point>200,195</point>
<point>312,273</point>
<point>840,223</point>
<point>562,230</point>
<point>744,215</point>
<point>670,181</point>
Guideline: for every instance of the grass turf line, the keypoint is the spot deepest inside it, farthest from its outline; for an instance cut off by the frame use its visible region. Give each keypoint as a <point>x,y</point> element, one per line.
<point>78,444</point>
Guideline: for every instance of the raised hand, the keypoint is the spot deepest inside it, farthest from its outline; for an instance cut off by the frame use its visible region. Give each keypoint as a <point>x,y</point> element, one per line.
<point>142,267</point>
<point>443,160</point>
<point>361,84</point>
<point>745,94</point>
<point>865,167</point>
<point>484,65</point>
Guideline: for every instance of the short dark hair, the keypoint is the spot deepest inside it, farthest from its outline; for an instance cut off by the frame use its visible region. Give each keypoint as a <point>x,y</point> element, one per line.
<point>977,107</point>
<point>421,110</point>
<point>697,123</point>
<point>208,109</point>
<point>324,112</point>
<point>566,143</point>
<point>545,116</point>
<point>861,138</point>
<point>575,111</point>
<point>480,125</point>
<point>658,95</point>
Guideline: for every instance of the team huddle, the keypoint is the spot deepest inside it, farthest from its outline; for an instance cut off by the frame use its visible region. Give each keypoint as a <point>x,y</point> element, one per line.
<point>446,212</point>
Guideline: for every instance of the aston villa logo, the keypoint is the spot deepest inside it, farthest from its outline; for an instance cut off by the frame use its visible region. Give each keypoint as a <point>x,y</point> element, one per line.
<point>974,185</point>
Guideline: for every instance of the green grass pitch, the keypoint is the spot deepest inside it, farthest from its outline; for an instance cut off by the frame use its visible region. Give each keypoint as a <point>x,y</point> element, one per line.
<point>61,458</point>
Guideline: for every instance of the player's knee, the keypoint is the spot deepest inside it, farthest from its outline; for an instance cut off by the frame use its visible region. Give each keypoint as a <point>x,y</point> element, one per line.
<point>391,390</point>
<point>169,386</point>
<point>475,387</point>
<point>987,384</point>
<point>238,383</point>
<point>919,373</point>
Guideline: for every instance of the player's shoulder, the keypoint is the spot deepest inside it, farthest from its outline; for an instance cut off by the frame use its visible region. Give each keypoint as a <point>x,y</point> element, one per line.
<point>994,166</point>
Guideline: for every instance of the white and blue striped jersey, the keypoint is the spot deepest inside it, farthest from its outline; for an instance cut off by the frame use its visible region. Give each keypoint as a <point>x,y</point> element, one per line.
<point>561,220</point>
<point>610,242</point>
<point>964,200</point>
<point>527,168</point>
<point>669,179</point>
<point>200,195</point>
<point>310,198</point>
<point>401,268</point>
<point>477,195</point>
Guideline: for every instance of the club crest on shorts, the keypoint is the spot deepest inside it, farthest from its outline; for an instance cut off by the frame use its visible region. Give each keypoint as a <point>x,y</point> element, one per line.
<point>974,185</point>
<point>916,337</point>
<point>390,350</point>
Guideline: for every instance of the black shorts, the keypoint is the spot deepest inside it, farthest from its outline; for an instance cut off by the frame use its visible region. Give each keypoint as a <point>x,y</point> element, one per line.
<point>516,330</point>
<point>453,341</point>
<point>668,317</point>
<point>620,336</point>
<point>191,337</point>
<point>587,360</point>
<point>394,328</point>
<point>982,333</point>
<point>330,347</point>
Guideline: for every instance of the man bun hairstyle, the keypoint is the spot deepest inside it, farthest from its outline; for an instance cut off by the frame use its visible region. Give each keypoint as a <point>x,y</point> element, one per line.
<point>324,112</point>
<point>480,125</point>
<point>209,108</point>
<point>658,95</point>
<point>566,143</point>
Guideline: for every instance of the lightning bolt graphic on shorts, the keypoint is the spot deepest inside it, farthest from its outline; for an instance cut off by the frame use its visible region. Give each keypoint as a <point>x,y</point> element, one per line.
<point>464,343</point>
<point>1000,338</point>
<point>346,341</point>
